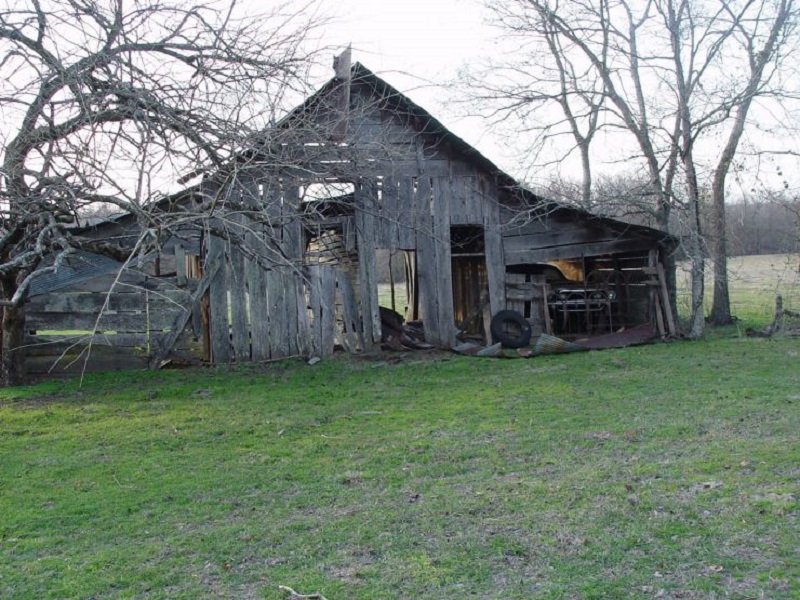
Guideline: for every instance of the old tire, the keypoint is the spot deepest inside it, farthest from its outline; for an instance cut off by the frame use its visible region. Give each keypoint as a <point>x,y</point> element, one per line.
<point>511,329</point>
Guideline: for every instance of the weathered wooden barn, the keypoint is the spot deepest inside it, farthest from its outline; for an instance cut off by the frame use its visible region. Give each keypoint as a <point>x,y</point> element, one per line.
<point>278,254</point>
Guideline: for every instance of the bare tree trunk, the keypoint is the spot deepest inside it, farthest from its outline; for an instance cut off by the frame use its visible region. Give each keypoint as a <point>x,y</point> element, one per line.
<point>12,335</point>
<point>696,245</point>
<point>759,60</point>
<point>698,269</point>
<point>721,307</point>
<point>586,181</point>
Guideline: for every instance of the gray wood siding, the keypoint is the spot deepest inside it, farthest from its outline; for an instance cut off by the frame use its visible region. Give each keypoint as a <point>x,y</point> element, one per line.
<point>553,238</point>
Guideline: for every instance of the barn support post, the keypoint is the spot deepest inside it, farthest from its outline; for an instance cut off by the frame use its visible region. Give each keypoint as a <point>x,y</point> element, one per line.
<point>493,240</point>
<point>218,299</point>
<point>322,281</point>
<point>434,260</point>
<point>367,269</point>
<point>182,317</point>
<point>353,338</point>
<point>240,328</point>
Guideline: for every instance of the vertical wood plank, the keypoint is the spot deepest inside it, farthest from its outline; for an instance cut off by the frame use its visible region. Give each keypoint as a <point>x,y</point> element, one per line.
<point>538,306</point>
<point>314,280</point>
<point>349,234</point>
<point>405,213</point>
<point>387,233</point>
<point>259,310</point>
<point>180,265</point>
<point>443,263</point>
<point>218,309</point>
<point>426,299</point>
<point>422,207</point>
<point>412,295</point>
<point>322,280</point>
<point>548,324</point>
<point>238,306</point>
<point>303,335</point>
<point>493,240</point>
<point>329,310</point>
<point>665,303</point>
<point>473,200</point>
<point>292,235</point>
<point>426,286</point>
<point>292,287</point>
<point>652,259</point>
<point>368,284</point>
<point>456,201</point>
<point>352,336</point>
<point>277,322</point>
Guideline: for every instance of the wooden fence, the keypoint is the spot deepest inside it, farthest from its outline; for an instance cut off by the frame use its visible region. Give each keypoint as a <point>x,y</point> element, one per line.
<point>236,312</point>
<point>108,323</point>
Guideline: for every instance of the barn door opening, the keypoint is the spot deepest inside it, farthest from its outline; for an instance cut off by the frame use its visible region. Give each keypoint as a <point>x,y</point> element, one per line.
<point>470,287</point>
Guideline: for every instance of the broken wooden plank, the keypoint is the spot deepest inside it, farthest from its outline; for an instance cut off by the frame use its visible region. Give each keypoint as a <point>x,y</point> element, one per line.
<point>352,339</point>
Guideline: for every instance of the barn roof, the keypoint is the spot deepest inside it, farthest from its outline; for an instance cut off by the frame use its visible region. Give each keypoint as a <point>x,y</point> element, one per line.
<point>427,124</point>
<point>76,267</point>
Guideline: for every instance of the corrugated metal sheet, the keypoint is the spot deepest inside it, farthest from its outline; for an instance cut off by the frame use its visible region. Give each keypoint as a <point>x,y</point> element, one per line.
<point>76,268</point>
<point>548,344</point>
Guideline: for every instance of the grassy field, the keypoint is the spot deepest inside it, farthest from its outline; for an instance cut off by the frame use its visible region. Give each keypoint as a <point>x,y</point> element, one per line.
<point>665,471</point>
<point>754,283</point>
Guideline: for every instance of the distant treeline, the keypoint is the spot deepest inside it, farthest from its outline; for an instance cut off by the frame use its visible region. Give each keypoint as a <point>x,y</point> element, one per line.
<point>764,222</point>
<point>763,228</point>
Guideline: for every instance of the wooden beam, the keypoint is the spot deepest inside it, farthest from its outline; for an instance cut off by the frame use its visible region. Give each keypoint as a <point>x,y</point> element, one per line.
<point>495,253</point>
<point>218,299</point>
<point>443,283</point>
<point>238,306</point>
<point>673,329</point>
<point>541,255</point>
<point>182,316</point>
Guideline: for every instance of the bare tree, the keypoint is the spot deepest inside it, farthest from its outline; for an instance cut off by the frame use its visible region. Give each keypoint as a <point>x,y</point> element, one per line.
<point>763,33</point>
<point>103,102</point>
<point>541,74</point>
<point>667,81</point>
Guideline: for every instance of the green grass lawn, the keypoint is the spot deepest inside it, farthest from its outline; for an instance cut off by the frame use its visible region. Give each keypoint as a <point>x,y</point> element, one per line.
<point>667,471</point>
